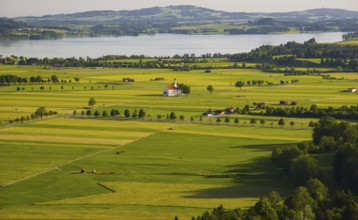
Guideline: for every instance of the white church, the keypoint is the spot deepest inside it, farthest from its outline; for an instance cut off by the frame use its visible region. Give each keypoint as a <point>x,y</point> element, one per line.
<point>172,90</point>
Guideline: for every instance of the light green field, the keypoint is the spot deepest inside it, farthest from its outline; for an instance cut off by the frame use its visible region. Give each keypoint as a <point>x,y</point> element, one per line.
<point>147,169</point>
<point>147,94</point>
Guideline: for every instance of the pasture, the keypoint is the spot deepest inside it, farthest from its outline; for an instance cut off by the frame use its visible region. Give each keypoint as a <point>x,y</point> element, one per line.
<point>143,169</point>
<point>148,168</point>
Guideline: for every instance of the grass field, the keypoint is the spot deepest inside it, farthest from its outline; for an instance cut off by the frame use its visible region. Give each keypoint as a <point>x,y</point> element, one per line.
<point>157,173</point>
<point>147,169</point>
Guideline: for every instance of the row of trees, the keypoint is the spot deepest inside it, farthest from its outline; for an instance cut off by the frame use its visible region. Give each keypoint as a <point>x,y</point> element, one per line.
<point>343,112</point>
<point>13,79</point>
<point>39,113</point>
<point>112,113</point>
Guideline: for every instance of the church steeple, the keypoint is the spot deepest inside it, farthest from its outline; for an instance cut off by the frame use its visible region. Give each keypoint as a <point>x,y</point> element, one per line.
<point>175,83</point>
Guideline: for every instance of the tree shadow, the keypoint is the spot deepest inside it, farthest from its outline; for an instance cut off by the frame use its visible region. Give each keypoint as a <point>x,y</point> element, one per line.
<point>255,178</point>
<point>262,147</point>
<point>152,95</point>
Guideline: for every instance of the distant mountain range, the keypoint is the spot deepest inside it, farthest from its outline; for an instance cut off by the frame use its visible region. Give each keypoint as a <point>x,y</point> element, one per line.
<point>177,20</point>
<point>185,14</point>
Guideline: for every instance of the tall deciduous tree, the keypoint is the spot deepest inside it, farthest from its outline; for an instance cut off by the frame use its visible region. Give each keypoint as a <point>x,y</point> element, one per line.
<point>210,89</point>
<point>41,111</point>
<point>239,84</point>
<point>91,102</point>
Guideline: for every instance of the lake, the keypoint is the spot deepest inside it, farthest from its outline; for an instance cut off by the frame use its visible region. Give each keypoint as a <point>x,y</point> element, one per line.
<point>154,45</point>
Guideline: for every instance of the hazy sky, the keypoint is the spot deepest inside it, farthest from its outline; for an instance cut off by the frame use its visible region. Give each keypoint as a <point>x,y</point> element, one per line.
<point>15,8</point>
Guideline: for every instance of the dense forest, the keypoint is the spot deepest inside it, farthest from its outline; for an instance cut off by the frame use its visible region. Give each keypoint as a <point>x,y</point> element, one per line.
<point>17,30</point>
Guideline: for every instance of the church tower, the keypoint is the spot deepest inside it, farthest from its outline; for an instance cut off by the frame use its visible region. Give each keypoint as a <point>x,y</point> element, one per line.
<point>175,83</point>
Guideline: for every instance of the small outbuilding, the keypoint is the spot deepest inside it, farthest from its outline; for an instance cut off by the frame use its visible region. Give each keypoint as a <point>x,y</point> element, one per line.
<point>128,80</point>
<point>353,89</point>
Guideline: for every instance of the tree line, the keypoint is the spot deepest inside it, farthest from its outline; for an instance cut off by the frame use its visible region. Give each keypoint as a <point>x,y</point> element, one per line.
<point>312,198</point>
<point>345,56</point>
<point>14,79</point>
<point>343,112</point>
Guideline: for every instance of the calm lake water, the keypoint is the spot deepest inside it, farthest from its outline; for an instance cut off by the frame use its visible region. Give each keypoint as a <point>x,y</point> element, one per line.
<point>156,45</point>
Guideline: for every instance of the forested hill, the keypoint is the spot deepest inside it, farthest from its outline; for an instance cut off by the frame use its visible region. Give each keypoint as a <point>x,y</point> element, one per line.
<point>179,20</point>
<point>185,14</point>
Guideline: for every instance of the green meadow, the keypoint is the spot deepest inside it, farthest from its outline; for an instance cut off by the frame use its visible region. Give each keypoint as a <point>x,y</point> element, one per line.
<point>147,168</point>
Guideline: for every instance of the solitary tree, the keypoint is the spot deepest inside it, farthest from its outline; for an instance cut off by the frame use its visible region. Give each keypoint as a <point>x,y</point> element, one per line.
<point>236,121</point>
<point>185,89</point>
<point>104,113</point>
<point>281,122</point>
<point>91,102</point>
<point>77,79</point>
<point>210,89</point>
<point>239,84</point>
<point>181,117</point>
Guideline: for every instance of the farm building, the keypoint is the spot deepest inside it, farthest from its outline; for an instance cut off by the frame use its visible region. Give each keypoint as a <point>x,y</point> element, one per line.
<point>230,110</point>
<point>353,89</point>
<point>283,102</point>
<point>172,90</point>
<point>128,80</point>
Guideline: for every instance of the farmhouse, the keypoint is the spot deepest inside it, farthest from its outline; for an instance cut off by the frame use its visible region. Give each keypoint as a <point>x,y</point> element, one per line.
<point>353,89</point>
<point>128,80</point>
<point>172,90</point>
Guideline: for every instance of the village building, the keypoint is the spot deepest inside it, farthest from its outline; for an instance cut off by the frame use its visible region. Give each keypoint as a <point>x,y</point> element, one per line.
<point>128,80</point>
<point>353,89</point>
<point>172,90</point>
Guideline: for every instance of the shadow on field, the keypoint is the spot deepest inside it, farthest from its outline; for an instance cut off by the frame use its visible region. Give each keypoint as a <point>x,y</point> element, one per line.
<point>152,95</point>
<point>256,178</point>
<point>261,147</point>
